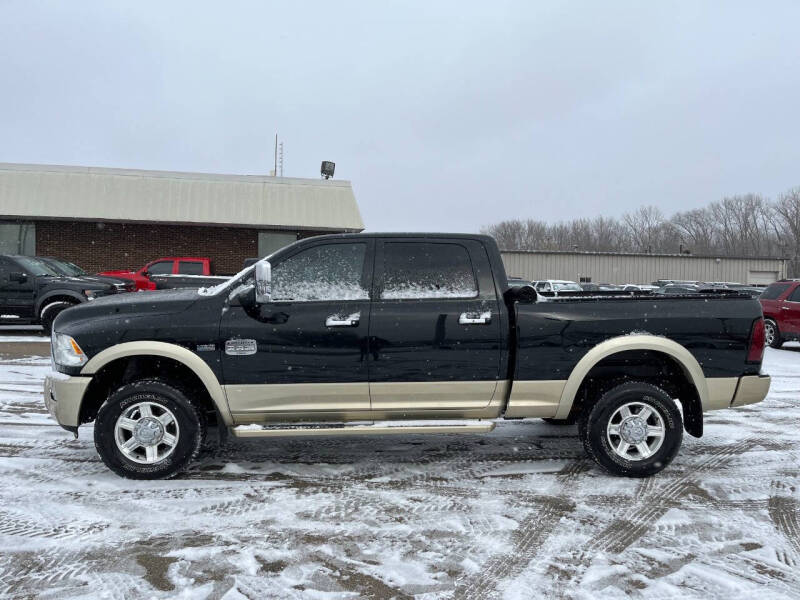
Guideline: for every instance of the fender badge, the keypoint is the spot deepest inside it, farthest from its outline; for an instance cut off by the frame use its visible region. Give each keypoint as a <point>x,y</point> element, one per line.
<point>206,347</point>
<point>240,347</point>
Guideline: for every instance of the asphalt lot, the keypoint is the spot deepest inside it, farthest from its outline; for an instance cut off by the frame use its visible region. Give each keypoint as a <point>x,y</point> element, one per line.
<point>518,513</point>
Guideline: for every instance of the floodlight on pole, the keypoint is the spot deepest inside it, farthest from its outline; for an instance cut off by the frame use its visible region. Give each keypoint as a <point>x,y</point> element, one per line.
<point>327,169</point>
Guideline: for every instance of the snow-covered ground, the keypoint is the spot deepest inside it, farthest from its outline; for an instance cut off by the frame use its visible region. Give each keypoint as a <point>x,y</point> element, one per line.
<point>518,513</point>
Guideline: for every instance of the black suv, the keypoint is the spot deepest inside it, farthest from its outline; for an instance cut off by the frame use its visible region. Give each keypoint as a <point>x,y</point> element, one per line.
<point>31,292</point>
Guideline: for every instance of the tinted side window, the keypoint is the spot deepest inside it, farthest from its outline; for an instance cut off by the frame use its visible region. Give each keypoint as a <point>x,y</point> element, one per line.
<point>774,291</point>
<point>160,268</point>
<point>795,295</point>
<point>427,270</point>
<point>327,272</point>
<point>190,267</point>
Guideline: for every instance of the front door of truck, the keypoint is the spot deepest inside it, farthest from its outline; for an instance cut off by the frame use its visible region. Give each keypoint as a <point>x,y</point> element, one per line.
<point>304,354</point>
<point>435,332</point>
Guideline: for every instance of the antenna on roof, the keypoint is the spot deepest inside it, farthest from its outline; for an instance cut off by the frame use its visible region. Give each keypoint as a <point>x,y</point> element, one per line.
<point>275,169</point>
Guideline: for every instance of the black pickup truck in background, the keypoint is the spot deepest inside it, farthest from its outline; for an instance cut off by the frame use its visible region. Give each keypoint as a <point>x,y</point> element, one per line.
<point>33,293</point>
<point>397,333</point>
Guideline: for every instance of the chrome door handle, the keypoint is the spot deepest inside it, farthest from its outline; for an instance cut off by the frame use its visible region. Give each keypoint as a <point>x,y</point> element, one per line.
<point>343,321</point>
<point>784,308</point>
<point>474,318</point>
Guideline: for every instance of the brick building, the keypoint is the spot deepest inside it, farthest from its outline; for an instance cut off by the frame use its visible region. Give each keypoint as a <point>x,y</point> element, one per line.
<point>121,219</point>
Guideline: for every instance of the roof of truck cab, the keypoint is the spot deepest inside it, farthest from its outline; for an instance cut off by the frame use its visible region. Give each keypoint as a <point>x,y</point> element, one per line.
<point>407,234</point>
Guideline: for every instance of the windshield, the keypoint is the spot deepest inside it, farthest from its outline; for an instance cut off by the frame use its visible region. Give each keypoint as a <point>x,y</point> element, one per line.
<point>35,266</point>
<point>63,267</point>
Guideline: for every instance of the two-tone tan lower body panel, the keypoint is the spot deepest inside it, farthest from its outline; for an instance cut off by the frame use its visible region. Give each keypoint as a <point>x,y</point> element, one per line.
<point>362,401</point>
<point>535,398</point>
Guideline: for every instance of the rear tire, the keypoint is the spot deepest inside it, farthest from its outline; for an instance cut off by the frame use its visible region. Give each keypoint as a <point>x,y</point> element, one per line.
<point>772,335</point>
<point>148,429</point>
<point>634,430</point>
<point>49,313</point>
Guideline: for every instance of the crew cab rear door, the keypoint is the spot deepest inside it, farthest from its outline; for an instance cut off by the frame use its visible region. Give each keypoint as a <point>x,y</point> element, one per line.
<point>435,334</point>
<point>304,354</point>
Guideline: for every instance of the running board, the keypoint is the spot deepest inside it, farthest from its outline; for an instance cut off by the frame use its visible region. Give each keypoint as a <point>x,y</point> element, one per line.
<point>379,428</point>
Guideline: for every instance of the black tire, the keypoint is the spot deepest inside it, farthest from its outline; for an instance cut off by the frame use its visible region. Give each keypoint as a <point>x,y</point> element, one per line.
<point>595,435</point>
<point>567,421</point>
<point>191,429</point>
<point>49,313</point>
<point>772,335</point>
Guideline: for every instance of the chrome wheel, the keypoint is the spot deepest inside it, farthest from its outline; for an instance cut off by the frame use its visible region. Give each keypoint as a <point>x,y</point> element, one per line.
<point>146,432</point>
<point>769,332</point>
<point>635,431</point>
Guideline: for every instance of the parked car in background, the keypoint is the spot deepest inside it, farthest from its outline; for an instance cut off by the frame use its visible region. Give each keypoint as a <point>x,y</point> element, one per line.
<point>159,273</point>
<point>639,287</point>
<point>780,302</point>
<point>600,287</point>
<point>32,293</point>
<point>658,283</point>
<point>555,286</point>
<point>68,269</point>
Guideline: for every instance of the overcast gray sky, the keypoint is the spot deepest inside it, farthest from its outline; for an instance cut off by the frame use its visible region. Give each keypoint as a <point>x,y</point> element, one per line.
<point>444,115</point>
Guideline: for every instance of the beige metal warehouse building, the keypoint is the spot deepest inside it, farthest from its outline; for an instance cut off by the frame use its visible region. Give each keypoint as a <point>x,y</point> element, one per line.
<point>621,268</point>
<point>123,218</point>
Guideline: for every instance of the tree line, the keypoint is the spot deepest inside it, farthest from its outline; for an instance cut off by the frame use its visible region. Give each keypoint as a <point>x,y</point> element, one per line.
<point>744,225</point>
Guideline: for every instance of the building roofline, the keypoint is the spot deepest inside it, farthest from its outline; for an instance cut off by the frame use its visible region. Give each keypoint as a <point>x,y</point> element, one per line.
<point>198,176</point>
<point>641,254</point>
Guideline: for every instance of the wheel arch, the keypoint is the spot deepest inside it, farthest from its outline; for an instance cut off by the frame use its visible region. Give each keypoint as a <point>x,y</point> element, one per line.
<point>173,352</point>
<point>664,347</point>
<point>56,296</point>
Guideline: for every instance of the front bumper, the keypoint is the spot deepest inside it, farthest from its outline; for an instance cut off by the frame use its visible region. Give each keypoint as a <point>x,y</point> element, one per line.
<point>751,389</point>
<point>63,396</point>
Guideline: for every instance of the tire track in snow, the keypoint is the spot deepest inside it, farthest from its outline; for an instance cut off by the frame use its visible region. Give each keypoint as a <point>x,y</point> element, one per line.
<point>628,528</point>
<point>531,533</point>
<point>783,510</point>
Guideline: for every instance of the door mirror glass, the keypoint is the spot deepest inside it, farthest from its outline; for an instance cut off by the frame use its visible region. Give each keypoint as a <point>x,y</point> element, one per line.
<point>263,281</point>
<point>18,277</point>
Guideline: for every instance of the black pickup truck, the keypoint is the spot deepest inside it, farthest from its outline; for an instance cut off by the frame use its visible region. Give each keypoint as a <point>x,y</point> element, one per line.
<point>397,333</point>
<point>34,293</point>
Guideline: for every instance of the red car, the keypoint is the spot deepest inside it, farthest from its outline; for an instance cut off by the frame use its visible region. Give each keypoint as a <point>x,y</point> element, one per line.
<point>170,265</point>
<point>781,305</point>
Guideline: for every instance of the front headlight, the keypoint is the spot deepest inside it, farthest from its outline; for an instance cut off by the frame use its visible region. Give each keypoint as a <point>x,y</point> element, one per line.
<point>67,352</point>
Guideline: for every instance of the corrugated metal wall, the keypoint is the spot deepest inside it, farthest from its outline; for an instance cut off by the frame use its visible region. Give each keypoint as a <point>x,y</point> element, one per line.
<point>640,268</point>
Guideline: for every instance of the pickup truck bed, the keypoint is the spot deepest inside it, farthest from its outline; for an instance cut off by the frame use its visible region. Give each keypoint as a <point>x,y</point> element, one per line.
<point>340,330</point>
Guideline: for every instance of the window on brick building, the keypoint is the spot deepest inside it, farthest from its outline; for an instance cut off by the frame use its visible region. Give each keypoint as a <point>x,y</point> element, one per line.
<point>18,238</point>
<point>272,241</point>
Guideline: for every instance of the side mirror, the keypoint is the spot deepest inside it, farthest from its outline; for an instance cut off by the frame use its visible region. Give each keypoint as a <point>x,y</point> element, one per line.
<point>263,282</point>
<point>18,277</point>
<point>145,273</point>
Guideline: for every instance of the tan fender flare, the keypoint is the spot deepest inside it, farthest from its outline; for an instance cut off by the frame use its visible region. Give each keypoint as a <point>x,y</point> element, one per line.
<point>615,345</point>
<point>173,351</point>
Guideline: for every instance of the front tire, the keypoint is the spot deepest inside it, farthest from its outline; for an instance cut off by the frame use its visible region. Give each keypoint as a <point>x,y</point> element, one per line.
<point>148,429</point>
<point>634,430</point>
<point>772,335</point>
